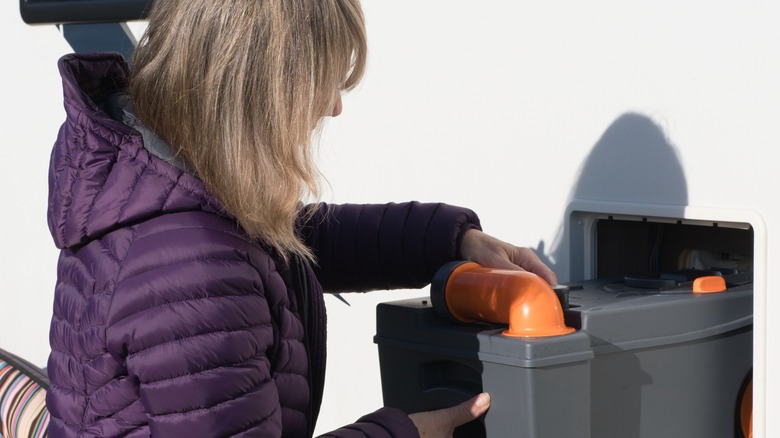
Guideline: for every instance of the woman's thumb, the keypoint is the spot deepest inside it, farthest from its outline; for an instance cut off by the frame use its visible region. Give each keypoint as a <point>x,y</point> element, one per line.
<point>470,409</point>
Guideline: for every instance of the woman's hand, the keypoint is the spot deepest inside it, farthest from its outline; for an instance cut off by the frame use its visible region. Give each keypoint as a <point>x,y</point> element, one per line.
<point>441,423</point>
<point>490,252</point>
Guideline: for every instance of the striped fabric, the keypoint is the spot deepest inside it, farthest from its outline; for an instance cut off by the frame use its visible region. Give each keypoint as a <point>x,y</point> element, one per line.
<point>23,412</point>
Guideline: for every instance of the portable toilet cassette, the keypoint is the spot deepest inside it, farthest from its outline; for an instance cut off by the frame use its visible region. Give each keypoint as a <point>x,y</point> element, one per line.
<point>657,344</point>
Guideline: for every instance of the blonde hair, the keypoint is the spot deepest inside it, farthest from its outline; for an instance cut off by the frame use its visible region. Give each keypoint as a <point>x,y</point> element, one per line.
<point>237,87</point>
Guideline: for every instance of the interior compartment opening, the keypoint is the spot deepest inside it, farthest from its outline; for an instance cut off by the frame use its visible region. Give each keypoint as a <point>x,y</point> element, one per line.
<point>648,247</point>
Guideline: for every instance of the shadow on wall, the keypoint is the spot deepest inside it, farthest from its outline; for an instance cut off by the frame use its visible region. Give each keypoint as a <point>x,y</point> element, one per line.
<point>633,161</point>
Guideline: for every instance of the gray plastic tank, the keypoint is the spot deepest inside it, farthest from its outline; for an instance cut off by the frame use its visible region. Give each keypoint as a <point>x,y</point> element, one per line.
<point>650,365</point>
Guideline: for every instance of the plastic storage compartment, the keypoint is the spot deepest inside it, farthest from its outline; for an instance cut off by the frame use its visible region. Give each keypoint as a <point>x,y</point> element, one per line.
<point>640,364</point>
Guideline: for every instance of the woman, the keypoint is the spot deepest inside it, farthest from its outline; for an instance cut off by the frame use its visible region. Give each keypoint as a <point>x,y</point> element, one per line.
<point>189,294</point>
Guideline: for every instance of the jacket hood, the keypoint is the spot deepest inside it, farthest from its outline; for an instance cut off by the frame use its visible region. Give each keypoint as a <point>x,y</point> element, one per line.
<point>101,177</point>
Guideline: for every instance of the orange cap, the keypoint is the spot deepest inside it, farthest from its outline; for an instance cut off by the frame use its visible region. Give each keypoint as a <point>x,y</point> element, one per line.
<point>709,284</point>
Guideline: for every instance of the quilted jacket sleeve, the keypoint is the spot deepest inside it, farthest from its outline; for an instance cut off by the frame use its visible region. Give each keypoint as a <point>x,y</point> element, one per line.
<point>384,423</point>
<point>191,317</point>
<point>384,246</point>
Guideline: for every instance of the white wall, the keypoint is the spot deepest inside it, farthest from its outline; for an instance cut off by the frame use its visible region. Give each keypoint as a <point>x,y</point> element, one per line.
<point>510,108</point>
<point>31,115</point>
<point>514,108</point>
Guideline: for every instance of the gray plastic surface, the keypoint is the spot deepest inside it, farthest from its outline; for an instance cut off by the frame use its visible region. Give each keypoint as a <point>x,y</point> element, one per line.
<point>639,365</point>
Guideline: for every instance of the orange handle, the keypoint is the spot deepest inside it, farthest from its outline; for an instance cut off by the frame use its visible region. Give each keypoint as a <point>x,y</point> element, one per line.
<point>746,411</point>
<point>469,292</point>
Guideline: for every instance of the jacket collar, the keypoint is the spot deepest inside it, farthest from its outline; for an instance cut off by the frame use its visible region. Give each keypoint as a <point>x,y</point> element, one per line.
<point>101,175</point>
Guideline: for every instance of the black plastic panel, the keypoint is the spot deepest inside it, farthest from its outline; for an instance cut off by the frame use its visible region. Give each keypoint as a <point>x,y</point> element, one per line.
<point>82,11</point>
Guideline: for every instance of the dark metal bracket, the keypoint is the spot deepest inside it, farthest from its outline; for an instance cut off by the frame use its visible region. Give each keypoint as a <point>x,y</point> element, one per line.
<point>100,37</point>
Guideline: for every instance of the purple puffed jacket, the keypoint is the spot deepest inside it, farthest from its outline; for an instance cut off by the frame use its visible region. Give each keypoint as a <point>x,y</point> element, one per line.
<point>168,321</point>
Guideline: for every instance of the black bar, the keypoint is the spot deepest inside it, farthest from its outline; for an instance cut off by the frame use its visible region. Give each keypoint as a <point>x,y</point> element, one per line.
<point>82,11</point>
